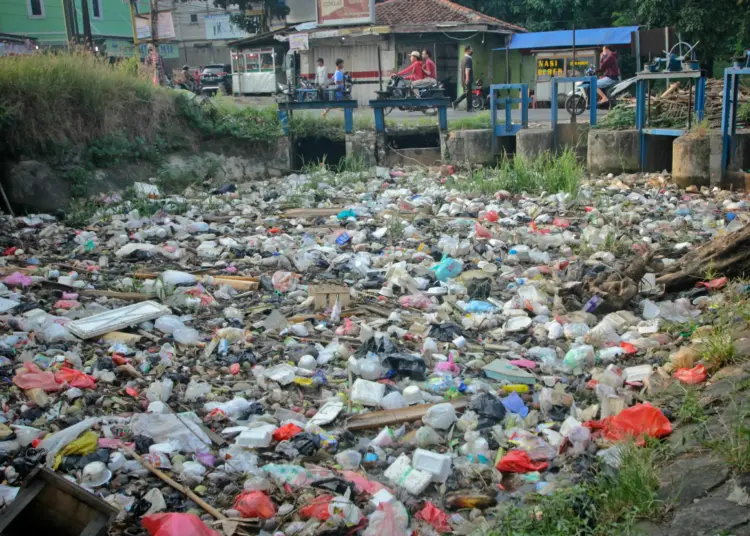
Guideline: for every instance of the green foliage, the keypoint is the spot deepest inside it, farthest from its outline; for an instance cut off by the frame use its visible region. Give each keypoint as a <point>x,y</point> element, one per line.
<point>743,113</point>
<point>112,149</point>
<point>609,504</point>
<point>57,99</point>
<point>621,117</point>
<point>691,410</point>
<point>253,24</point>
<point>175,179</point>
<point>354,163</point>
<point>550,173</point>
<point>79,178</point>
<point>219,117</point>
<point>475,121</point>
<point>734,445</point>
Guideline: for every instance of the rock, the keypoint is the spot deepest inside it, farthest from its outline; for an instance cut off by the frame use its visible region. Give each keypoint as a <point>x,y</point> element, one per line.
<point>709,517</point>
<point>26,179</point>
<point>691,478</point>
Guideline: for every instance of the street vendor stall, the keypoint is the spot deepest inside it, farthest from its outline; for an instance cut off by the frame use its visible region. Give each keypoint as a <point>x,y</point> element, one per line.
<point>257,70</point>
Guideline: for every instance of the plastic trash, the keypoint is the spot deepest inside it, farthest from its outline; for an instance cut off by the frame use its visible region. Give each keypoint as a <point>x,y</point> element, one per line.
<point>438,465</point>
<point>367,393</point>
<point>31,377</point>
<point>637,421</point>
<point>168,324</point>
<point>341,508</point>
<point>692,376</point>
<point>75,378</point>
<point>518,461</point>
<point>447,268</point>
<point>390,518</point>
<point>440,416</point>
<point>349,459</point>
<point>407,365</point>
<point>514,404</point>
<point>255,504</point>
<point>394,400</point>
<point>317,509</point>
<point>175,524</point>
<point>435,517</point>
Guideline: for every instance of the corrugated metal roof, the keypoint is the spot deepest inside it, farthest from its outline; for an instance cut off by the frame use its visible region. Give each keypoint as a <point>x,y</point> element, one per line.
<point>564,38</point>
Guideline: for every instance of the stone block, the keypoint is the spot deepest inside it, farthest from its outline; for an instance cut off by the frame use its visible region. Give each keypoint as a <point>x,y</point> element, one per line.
<point>612,151</point>
<point>691,155</point>
<point>532,143</point>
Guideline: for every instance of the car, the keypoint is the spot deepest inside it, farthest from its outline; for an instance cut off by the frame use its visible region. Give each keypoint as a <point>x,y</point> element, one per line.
<point>216,76</point>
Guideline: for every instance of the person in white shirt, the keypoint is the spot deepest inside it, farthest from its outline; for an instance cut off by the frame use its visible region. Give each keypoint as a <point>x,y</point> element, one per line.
<point>321,74</point>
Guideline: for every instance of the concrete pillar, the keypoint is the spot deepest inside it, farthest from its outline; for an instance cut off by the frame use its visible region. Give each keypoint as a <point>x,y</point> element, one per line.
<point>612,151</point>
<point>362,143</point>
<point>691,155</point>
<point>532,143</point>
<point>469,146</point>
<point>573,135</point>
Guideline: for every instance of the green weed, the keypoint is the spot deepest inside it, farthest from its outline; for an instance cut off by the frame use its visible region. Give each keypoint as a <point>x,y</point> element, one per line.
<point>553,174</point>
<point>352,163</point>
<point>479,120</point>
<point>717,347</point>
<point>734,446</point>
<point>81,212</point>
<point>621,117</point>
<point>691,410</point>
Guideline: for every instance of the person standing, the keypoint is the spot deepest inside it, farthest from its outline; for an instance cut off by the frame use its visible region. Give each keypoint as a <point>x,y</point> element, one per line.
<point>321,78</point>
<point>467,78</point>
<point>338,82</point>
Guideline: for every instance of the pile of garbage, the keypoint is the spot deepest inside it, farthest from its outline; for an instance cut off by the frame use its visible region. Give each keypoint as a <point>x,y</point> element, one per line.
<point>401,357</point>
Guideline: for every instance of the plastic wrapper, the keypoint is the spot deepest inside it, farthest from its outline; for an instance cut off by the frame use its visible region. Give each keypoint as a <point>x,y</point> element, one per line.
<point>640,420</point>
<point>435,517</point>
<point>489,408</point>
<point>75,378</point>
<point>390,518</point>
<point>416,301</point>
<point>284,281</point>
<point>255,504</point>
<point>693,375</point>
<point>514,404</point>
<point>518,461</point>
<point>481,231</point>
<point>317,509</point>
<point>31,377</point>
<point>174,524</point>
<point>286,432</point>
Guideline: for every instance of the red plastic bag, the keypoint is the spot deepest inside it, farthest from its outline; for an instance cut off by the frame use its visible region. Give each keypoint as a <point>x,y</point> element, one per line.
<point>255,504</point>
<point>361,484</point>
<point>174,524</point>
<point>518,461</point>
<point>287,431</point>
<point>692,376</point>
<point>318,508</point>
<point>31,377</point>
<point>435,517</point>
<point>641,419</point>
<point>75,378</point>
<point>491,216</point>
<point>482,231</point>
<point>714,284</point>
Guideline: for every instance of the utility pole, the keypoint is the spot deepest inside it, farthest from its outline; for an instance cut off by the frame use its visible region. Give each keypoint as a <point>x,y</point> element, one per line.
<point>154,16</point>
<point>68,21</point>
<point>135,31</point>
<point>87,24</point>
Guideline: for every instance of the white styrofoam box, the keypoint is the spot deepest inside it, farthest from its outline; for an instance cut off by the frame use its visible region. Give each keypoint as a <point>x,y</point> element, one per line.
<point>367,393</point>
<point>401,473</point>
<point>438,465</point>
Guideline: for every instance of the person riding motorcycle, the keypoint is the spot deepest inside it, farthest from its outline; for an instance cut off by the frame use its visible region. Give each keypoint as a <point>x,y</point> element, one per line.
<point>414,71</point>
<point>609,68</point>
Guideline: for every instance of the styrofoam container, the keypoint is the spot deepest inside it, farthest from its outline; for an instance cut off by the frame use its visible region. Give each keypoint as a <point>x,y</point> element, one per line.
<point>412,395</point>
<point>367,393</point>
<point>256,438</point>
<point>401,473</point>
<point>438,465</point>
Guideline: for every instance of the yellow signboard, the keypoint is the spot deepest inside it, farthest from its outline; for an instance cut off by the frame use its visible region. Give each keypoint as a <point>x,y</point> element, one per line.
<point>549,66</point>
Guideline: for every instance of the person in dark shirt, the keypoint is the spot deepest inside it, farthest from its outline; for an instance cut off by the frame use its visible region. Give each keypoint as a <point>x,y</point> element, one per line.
<point>610,71</point>
<point>467,78</point>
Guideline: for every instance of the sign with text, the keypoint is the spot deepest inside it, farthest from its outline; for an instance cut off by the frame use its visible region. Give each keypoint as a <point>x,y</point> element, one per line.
<point>164,27</point>
<point>299,41</point>
<point>549,66</point>
<point>343,12</point>
<point>219,27</point>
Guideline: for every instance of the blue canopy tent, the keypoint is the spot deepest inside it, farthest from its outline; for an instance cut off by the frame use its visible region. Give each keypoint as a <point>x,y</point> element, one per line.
<point>593,37</point>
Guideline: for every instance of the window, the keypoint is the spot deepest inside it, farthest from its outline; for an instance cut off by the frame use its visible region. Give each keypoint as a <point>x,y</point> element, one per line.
<point>193,19</point>
<point>35,8</point>
<point>96,9</point>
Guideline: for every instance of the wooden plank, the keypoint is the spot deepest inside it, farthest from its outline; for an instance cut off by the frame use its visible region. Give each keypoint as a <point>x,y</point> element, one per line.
<point>29,491</point>
<point>311,212</point>
<point>378,419</point>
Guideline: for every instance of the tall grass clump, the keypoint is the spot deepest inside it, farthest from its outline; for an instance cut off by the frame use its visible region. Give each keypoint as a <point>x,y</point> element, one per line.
<point>69,99</point>
<point>220,117</point>
<point>548,173</point>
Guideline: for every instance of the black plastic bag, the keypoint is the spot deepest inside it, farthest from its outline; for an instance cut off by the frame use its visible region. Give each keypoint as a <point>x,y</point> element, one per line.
<point>489,408</point>
<point>446,332</point>
<point>306,443</point>
<point>411,366</point>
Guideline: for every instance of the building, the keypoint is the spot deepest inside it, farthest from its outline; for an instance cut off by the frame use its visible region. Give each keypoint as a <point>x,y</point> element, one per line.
<point>48,24</point>
<point>372,52</point>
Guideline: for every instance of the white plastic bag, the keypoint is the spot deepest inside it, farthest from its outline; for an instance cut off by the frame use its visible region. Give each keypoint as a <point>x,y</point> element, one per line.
<point>440,416</point>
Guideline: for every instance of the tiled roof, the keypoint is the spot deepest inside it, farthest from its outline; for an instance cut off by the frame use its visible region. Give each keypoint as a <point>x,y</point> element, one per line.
<point>403,12</point>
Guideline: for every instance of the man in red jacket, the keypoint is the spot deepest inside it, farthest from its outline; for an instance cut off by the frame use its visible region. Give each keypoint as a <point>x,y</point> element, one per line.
<point>414,71</point>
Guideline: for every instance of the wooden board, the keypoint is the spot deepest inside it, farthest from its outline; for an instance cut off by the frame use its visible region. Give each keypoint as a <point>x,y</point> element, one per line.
<point>378,419</point>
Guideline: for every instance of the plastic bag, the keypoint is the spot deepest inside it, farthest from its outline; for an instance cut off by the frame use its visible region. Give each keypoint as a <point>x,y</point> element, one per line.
<point>287,431</point>
<point>75,378</point>
<point>284,281</point>
<point>410,366</point>
<point>641,419</point>
<point>17,279</point>
<point>86,444</point>
<point>692,376</point>
<point>361,484</point>
<point>447,268</point>
<point>31,377</point>
<point>440,416</point>
<point>514,404</point>
<point>435,517</point>
<point>390,518</point>
<point>174,524</point>
<point>482,231</point>
<point>448,366</point>
<point>255,504</point>
<point>518,461</point>
<point>490,409</point>
<point>317,509</point>
<point>417,301</point>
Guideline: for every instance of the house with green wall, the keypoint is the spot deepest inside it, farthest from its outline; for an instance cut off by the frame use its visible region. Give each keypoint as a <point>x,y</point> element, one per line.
<point>54,23</point>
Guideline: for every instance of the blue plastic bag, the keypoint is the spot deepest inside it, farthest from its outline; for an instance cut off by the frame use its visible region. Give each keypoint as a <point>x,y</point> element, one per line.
<point>514,404</point>
<point>479,306</point>
<point>447,268</point>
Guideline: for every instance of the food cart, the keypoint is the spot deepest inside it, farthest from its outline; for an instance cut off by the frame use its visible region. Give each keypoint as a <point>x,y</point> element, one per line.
<point>256,71</point>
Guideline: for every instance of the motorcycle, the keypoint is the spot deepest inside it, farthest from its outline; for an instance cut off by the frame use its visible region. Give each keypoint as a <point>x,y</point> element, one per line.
<point>286,94</point>
<point>479,95</point>
<point>577,100</point>
<point>399,88</point>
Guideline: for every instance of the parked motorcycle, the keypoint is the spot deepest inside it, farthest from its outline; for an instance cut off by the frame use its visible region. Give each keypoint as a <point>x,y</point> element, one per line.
<point>286,94</point>
<point>577,100</point>
<point>479,95</point>
<point>398,88</point>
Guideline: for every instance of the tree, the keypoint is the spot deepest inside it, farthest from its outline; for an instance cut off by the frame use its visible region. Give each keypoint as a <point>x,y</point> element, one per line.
<point>272,9</point>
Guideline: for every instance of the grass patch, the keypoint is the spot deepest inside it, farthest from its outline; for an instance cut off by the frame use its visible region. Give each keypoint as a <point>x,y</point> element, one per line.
<point>220,117</point>
<point>717,347</point>
<point>691,410</point>
<point>553,174</point>
<point>477,120</point>
<point>621,117</point>
<point>307,125</point>
<point>609,504</point>
<point>73,98</point>
<point>734,445</point>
